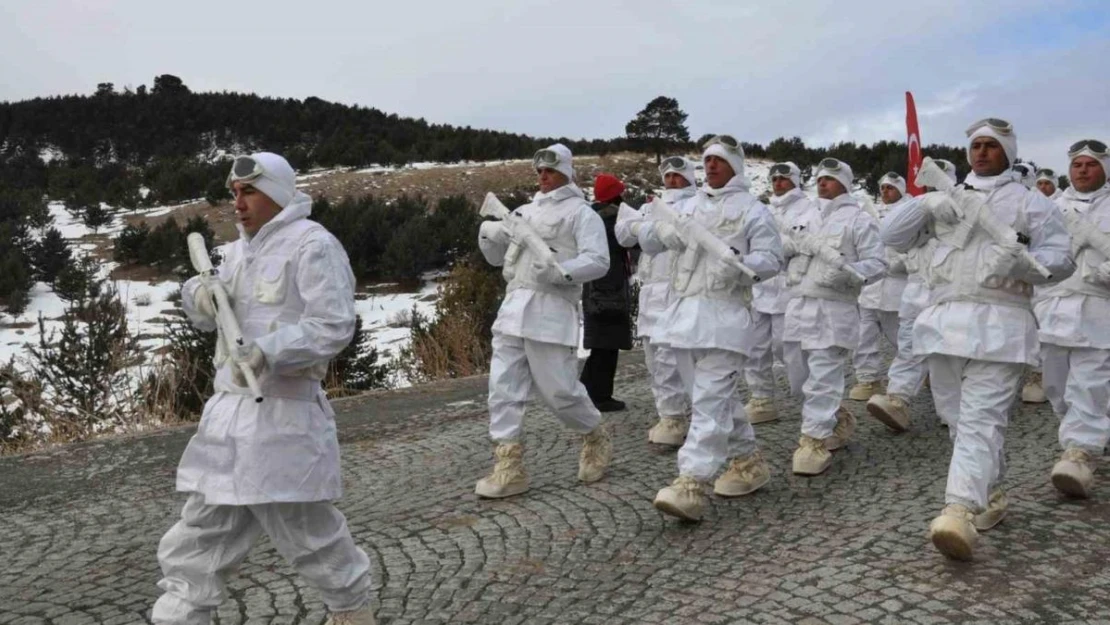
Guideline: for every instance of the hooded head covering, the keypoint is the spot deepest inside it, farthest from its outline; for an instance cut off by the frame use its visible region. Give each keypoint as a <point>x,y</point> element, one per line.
<point>278,181</point>
<point>840,171</point>
<point>894,180</point>
<point>733,156</point>
<point>687,169</point>
<point>1046,174</point>
<point>794,174</point>
<point>563,160</point>
<point>1078,149</point>
<point>1008,141</point>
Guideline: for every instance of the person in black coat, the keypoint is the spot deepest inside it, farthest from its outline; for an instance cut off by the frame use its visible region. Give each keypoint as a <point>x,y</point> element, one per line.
<point>607,304</point>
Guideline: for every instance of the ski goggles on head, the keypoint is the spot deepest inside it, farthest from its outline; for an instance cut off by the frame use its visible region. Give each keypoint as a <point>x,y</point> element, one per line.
<point>781,170</point>
<point>944,166</point>
<point>1046,174</point>
<point>244,169</point>
<point>673,164</point>
<point>1000,126</point>
<point>830,164</point>
<point>1023,169</point>
<point>727,141</point>
<point>1094,146</point>
<point>546,159</point>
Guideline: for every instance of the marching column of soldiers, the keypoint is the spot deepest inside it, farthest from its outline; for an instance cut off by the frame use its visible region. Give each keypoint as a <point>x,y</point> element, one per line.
<point>974,285</point>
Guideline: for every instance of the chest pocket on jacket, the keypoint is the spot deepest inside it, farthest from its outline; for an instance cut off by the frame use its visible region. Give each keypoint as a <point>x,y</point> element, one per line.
<point>940,268</point>
<point>271,285</point>
<point>833,237</point>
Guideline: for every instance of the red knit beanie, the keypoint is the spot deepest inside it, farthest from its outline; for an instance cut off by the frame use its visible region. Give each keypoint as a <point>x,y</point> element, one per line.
<point>607,187</point>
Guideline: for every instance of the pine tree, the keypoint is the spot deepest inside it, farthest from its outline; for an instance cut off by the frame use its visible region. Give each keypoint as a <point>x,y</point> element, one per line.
<point>78,281</point>
<point>85,364</point>
<point>50,256</point>
<point>356,368</point>
<point>660,126</point>
<point>94,216</point>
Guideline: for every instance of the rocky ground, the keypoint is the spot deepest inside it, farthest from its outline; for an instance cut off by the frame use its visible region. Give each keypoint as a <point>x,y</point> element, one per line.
<point>82,523</point>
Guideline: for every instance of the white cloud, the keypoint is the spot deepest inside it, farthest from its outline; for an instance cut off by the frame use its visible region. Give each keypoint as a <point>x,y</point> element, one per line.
<point>823,71</point>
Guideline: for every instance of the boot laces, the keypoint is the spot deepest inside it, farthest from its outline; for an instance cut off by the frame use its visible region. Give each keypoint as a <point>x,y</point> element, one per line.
<point>1074,454</point>
<point>594,447</point>
<point>747,468</point>
<point>509,464</point>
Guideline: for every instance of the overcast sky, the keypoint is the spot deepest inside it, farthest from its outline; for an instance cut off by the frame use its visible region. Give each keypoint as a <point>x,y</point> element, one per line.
<point>824,71</point>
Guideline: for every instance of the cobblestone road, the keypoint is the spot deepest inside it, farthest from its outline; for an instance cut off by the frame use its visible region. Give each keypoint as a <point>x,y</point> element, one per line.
<point>80,528</point>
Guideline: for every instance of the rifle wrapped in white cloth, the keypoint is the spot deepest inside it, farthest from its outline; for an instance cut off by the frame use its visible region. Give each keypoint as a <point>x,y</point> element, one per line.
<point>522,232</point>
<point>695,234</point>
<point>971,212</point>
<point>808,244</point>
<point>1084,233</point>
<point>227,327</point>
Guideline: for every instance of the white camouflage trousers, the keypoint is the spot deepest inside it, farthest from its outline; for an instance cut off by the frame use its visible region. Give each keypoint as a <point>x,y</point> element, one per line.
<point>817,376</point>
<point>666,382</point>
<point>873,326</point>
<point>1077,382</point>
<point>907,371</point>
<point>516,365</point>
<point>719,427</point>
<point>985,393</point>
<point>766,336</point>
<point>202,549</point>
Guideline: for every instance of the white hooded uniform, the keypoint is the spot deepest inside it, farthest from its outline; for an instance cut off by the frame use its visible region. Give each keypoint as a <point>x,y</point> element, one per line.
<point>822,320</point>
<point>1074,319</point>
<point>979,331</point>
<point>879,304</point>
<point>273,466</point>
<point>656,295</point>
<point>535,335</point>
<point>793,211</point>
<point>708,323</point>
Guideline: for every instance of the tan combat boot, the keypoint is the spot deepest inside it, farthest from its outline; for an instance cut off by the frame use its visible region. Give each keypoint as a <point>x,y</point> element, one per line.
<point>863,391</point>
<point>744,476</point>
<point>670,431</point>
<point>953,532</point>
<point>761,410</point>
<point>597,452</point>
<point>1074,474</point>
<point>508,477</point>
<point>811,457</point>
<point>684,498</point>
<point>996,510</point>
<point>1033,391</point>
<point>891,410</point>
<point>842,433</point>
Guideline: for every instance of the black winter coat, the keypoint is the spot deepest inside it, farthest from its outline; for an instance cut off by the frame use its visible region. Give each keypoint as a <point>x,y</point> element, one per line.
<point>607,301</point>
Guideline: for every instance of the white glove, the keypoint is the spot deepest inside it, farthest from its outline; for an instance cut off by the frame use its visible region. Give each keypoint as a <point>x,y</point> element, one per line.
<point>668,235</point>
<point>941,207</point>
<point>254,358</point>
<point>202,302</point>
<point>835,278</point>
<point>1100,274</point>
<point>635,228</point>
<point>494,231</point>
<point>788,246</point>
<point>725,272</point>
<point>897,265</point>
<point>549,274</point>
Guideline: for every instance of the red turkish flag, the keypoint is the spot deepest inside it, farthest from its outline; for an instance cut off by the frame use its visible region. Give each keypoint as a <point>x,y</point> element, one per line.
<point>913,140</point>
